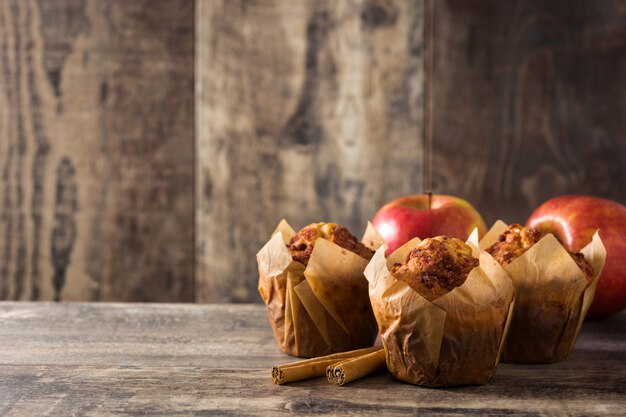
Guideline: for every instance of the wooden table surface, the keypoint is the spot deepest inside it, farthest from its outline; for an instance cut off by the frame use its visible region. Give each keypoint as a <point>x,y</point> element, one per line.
<point>196,360</point>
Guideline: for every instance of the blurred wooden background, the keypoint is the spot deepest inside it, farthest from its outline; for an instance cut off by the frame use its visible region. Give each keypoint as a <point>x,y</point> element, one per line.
<point>96,150</point>
<point>115,173</point>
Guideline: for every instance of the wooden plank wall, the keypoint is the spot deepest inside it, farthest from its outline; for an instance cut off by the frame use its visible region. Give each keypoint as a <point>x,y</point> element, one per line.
<point>530,102</point>
<point>96,150</point>
<point>310,112</point>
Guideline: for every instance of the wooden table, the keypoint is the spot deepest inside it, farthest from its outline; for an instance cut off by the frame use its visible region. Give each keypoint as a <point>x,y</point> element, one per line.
<point>197,360</point>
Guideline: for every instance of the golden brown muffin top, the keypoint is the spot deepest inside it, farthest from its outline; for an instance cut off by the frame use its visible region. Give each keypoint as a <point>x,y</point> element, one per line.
<point>517,239</point>
<point>301,245</point>
<point>513,242</point>
<point>436,266</point>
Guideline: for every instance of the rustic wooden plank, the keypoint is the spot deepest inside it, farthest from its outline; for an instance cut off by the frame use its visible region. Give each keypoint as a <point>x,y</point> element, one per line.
<point>309,112</point>
<point>96,150</point>
<point>530,99</point>
<point>113,359</point>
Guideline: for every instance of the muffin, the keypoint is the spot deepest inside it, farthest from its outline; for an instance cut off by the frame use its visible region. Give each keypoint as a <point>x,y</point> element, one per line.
<point>554,289</point>
<point>314,290</point>
<point>442,308</point>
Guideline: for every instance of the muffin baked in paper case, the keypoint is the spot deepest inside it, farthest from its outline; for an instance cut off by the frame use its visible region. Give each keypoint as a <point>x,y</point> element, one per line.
<point>322,308</point>
<point>552,297</point>
<point>455,339</point>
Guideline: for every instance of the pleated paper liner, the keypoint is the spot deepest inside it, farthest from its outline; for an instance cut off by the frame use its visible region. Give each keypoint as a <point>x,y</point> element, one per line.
<point>552,298</point>
<point>453,340</point>
<point>319,309</point>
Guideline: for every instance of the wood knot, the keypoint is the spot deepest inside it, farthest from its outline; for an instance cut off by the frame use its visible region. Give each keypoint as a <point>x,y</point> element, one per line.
<point>376,14</point>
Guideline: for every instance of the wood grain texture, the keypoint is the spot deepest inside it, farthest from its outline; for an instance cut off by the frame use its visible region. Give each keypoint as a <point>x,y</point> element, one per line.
<point>94,359</point>
<point>311,112</point>
<point>530,99</point>
<point>96,150</point>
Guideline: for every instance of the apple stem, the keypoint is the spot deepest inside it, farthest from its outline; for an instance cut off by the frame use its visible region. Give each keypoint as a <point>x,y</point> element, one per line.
<point>430,199</point>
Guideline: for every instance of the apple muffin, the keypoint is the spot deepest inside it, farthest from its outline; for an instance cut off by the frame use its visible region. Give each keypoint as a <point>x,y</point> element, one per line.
<point>517,239</point>
<point>314,290</point>
<point>436,266</point>
<point>301,245</point>
<point>442,308</point>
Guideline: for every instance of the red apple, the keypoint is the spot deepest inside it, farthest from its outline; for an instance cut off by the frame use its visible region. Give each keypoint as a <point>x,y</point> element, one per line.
<point>407,217</point>
<point>574,219</point>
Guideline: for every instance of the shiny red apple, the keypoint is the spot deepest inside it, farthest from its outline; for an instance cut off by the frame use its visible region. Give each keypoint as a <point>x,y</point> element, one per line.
<point>574,219</point>
<point>407,217</point>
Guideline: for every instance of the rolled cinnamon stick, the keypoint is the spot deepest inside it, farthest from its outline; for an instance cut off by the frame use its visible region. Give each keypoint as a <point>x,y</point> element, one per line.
<point>349,370</point>
<point>311,368</point>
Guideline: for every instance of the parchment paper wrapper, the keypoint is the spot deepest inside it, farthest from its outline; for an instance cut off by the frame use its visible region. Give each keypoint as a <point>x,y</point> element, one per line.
<point>552,298</point>
<point>322,308</point>
<point>454,340</point>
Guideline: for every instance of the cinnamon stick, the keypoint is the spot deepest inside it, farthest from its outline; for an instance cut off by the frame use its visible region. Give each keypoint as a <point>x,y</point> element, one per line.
<point>349,370</point>
<point>311,368</point>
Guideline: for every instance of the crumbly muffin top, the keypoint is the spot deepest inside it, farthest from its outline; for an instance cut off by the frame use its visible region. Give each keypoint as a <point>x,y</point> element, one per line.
<point>301,245</point>
<point>517,239</point>
<point>513,242</point>
<point>436,266</point>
